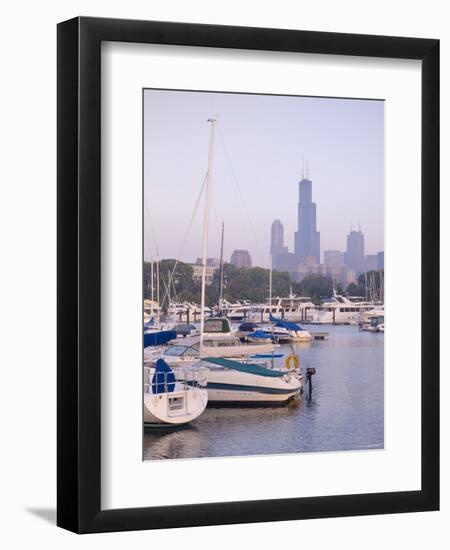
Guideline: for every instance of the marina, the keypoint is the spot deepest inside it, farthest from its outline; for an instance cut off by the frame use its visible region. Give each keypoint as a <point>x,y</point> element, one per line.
<point>241,361</point>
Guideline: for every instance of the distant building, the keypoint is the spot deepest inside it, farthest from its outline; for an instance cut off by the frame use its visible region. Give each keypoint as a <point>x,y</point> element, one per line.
<point>285,262</point>
<point>371,262</point>
<point>380,260</point>
<point>340,274</point>
<point>307,238</point>
<point>333,258</point>
<point>197,273</point>
<point>354,257</point>
<point>277,247</point>
<point>241,258</point>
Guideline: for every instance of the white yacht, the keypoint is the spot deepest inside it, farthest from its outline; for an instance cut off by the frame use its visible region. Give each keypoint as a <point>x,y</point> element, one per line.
<point>340,310</point>
<point>240,312</point>
<point>292,308</point>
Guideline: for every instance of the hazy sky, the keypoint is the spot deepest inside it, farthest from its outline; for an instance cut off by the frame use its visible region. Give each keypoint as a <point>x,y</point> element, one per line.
<point>261,144</point>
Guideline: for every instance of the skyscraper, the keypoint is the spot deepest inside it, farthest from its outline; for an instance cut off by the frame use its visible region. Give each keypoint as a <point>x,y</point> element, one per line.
<point>241,258</point>
<point>307,238</point>
<point>354,257</point>
<point>277,247</point>
<point>333,258</point>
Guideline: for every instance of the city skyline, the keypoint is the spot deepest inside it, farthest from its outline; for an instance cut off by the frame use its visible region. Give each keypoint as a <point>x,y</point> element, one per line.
<point>261,148</point>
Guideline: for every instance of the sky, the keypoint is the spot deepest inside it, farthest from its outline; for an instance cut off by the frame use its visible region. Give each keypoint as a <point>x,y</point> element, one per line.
<point>261,148</point>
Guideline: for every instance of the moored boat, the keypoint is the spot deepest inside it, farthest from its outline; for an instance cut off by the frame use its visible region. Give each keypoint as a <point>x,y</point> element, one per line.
<point>171,397</point>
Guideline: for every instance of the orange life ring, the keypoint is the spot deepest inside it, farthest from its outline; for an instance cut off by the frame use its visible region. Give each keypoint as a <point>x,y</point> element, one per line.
<point>290,358</point>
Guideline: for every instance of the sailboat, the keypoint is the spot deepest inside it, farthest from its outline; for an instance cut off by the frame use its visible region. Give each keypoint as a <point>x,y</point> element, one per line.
<point>235,381</point>
<point>173,398</point>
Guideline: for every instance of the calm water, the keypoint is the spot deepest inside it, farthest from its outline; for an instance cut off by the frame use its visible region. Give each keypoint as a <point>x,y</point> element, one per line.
<point>346,410</point>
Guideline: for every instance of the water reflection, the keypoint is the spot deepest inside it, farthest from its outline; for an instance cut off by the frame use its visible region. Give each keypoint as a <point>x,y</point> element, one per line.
<point>346,411</point>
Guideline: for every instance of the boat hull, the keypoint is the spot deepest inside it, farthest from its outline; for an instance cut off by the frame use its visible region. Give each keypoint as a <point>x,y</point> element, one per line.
<point>229,386</point>
<point>230,395</point>
<point>174,408</point>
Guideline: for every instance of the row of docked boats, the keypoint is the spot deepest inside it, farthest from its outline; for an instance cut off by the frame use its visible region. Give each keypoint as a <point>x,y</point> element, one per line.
<point>338,309</point>
<point>183,375</point>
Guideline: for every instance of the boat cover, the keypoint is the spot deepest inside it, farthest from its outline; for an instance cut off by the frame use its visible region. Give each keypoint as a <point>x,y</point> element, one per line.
<point>164,379</point>
<point>289,325</point>
<point>159,337</point>
<point>259,334</point>
<point>248,327</point>
<point>250,368</point>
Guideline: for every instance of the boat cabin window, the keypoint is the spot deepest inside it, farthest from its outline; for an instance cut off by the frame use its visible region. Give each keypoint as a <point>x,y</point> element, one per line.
<point>217,326</point>
<point>185,351</point>
<point>176,351</point>
<point>221,343</point>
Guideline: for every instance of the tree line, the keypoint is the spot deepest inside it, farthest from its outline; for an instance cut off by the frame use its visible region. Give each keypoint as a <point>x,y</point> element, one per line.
<point>176,283</point>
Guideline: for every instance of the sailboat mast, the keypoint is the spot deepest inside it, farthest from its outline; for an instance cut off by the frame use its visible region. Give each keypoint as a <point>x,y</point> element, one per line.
<point>157,292</point>
<point>205,225</point>
<point>152,285</point>
<point>221,271</point>
<point>270,285</point>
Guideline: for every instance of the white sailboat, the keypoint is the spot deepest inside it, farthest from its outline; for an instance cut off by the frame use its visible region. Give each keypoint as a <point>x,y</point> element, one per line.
<point>173,398</point>
<point>231,381</point>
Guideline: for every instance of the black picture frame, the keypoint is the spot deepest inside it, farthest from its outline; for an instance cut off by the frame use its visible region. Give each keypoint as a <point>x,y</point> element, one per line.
<point>79,281</point>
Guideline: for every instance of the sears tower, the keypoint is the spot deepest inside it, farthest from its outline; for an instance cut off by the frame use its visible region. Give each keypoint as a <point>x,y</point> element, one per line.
<point>307,238</point>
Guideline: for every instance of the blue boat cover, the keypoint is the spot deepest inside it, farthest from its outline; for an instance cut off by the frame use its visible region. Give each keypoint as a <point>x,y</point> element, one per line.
<point>248,327</point>
<point>250,368</point>
<point>164,379</point>
<point>159,337</point>
<point>289,325</point>
<point>260,334</point>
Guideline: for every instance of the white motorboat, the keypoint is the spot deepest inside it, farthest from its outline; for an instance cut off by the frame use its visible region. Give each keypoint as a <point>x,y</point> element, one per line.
<point>284,330</point>
<point>236,382</point>
<point>365,319</point>
<point>376,324</point>
<point>173,397</point>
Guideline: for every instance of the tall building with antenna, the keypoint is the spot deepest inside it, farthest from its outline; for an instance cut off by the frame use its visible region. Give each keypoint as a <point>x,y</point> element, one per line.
<point>307,238</point>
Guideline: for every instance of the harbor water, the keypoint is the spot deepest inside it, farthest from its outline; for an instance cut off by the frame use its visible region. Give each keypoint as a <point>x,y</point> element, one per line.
<point>345,412</point>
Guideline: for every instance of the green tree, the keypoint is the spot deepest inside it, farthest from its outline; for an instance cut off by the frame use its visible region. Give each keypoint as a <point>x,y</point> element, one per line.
<point>177,276</point>
<point>315,286</point>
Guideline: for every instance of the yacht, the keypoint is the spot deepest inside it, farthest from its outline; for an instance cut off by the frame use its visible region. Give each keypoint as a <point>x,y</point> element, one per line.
<point>340,310</point>
<point>292,308</point>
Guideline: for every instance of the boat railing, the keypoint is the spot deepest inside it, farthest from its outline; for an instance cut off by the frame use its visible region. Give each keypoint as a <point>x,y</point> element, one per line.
<point>185,378</point>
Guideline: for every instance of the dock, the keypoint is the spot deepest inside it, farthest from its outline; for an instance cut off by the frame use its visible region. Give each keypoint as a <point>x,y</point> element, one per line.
<point>315,336</point>
<point>319,335</point>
